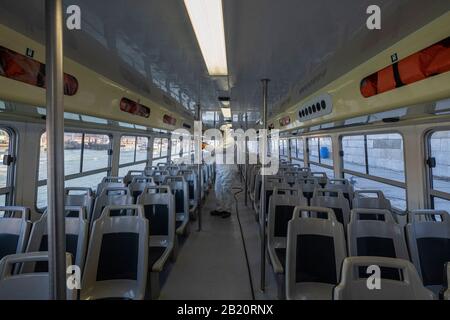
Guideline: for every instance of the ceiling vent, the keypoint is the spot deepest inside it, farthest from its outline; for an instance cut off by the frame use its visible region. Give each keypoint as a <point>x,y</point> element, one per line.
<point>315,108</point>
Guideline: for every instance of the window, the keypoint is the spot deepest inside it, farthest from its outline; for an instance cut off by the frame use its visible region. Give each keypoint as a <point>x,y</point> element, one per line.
<point>5,171</point>
<point>133,154</point>
<point>376,161</point>
<point>176,148</point>
<point>321,155</point>
<point>300,145</point>
<point>293,143</point>
<point>439,152</point>
<point>160,150</point>
<point>86,162</point>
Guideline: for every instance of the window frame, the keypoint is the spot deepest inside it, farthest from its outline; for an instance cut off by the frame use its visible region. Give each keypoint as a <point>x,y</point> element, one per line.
<point>394,183</point>
<point>9,190</point>
<point>80,174</point>
<point>308,153</point>
<point>430,193</point>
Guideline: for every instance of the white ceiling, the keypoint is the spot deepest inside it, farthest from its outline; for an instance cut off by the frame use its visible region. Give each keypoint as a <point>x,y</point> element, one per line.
<point>141,42</point>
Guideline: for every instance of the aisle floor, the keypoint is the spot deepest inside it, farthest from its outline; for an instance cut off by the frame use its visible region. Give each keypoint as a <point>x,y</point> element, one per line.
<point>211,264</point>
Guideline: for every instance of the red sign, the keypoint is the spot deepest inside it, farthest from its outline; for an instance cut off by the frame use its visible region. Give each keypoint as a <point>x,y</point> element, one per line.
<point>169,120</point>
<point>135,108</point>
<point>285,121</point>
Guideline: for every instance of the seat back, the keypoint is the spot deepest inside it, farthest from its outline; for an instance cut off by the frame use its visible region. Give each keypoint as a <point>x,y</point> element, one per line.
<point>80,197</point>
<point>150,170</point>
<point>111,196</point>
<point>321,177</point>
<point>138,185</point>
<point>173,170</point>
<point>159,208</point>
<point>428,235</point>
<point>315,249</point>
<point>131,174</point>
<point>76,238</point>
<point>307,185</point>
<point>191,178</point>
<point>370,199</point>
<point>111,182</point>
<point>374,232</point>
<point>447,292</point>
<point>29,286</point>
<point>270,184</point>
<point>354,282</point>
<point>179,188</point>
<point>334,200</point>
<point>14,230</point>
<point>342,185</point>
<point>117,258</point>
<point>159,176</point>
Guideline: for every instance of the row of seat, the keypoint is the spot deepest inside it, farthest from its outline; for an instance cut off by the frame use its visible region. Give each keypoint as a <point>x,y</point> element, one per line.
<point>104,244</point>
<point>368,230</point>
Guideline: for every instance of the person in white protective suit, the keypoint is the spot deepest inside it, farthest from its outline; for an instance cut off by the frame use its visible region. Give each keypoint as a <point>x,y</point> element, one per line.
<point>225,176</point>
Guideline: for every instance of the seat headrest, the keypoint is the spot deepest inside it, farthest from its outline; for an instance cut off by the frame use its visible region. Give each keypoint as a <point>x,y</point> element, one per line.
<point>25,212</point>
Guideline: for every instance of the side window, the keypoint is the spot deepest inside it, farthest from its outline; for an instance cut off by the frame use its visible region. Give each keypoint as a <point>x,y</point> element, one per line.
<point>176,148</point>
<point>321,155</point>
<point>160,150</point>
<point>86,162</point>
<point>376,162</point>
<point>439,165</point>
<point>6,149</point>
<point>133,154</point>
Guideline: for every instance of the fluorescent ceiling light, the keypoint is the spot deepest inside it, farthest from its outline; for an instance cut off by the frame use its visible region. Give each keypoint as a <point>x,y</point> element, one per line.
<point>207,20</point>
<point>226,103</point>
<point>226,112</point>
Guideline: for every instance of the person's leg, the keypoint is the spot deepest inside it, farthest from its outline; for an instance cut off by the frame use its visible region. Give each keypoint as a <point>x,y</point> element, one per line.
<point>218,190</point>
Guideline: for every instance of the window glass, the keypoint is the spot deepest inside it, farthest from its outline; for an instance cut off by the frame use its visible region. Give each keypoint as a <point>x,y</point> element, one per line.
<point>127,149</point>
<point>440,151</point>
<point>385,155</point>
<point>156,148</point>
<point>95,154</point>
<point>313,146</point>
<point>354,153</point>
<point>4,150</point>
<point>164,147</point>
<point>441,204</point>
<point>293,143</point>
<point>142,149</point>
<point>300,154</point>
<point>396,195</point>
<point>326,151</point>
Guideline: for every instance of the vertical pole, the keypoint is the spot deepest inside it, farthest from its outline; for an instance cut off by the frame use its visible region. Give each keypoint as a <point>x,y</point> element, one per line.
<point>199,168</point>
<point>265,83</point>
<point>246,160</point>
<point>55,149</point>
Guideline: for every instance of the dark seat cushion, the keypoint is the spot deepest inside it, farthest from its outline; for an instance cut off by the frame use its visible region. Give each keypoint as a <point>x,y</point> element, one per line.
<point>158,216</point>
<point>282,216</point>
<point>8,244</point>
<point>119,254</point>
<point>71,247</point>
<point>434,253</point>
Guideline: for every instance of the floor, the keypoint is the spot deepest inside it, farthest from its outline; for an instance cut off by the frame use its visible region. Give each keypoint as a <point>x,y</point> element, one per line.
<point>211,264</point>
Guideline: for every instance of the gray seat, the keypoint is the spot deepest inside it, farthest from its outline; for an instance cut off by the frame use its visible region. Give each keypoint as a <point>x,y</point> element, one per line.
<point>269,186</point>
<point>334,200</point>
<point>305,172</point>
<point>315,252</point>
<point>111,196</point>
<point>353,284</point>
<point>321,177</point>
<point>307,185</point>
<point>281,209</point>
<point>117,258</point>
<point>76,227</point>
<point>428,236</point>
<point>373,232</point>
<point>138,184</point>
<point>173,170</point>
<point>370,199</point>
<point>159,208</point>
<point>131,174</point>
<point>179,188</point>
<point>150,170</point>
<point>342,185</point>
<point>191,178</point>
<point>115,182</point>
<point>14,230</point>
<point>82,197</point>
<point>27,286</point>
<point>159,176</point>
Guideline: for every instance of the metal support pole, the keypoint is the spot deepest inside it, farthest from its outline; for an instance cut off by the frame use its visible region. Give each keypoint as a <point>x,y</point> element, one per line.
<point>55,149</point>
<point>246,160</point>
<point>265,83</point>
<point>198,143</point>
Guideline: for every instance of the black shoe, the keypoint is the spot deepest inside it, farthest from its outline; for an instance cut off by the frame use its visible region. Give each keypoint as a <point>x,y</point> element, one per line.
<point>216,213</point>
<point>225,214</point>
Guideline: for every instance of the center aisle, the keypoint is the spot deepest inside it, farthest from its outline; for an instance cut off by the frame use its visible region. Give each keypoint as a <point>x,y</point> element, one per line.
<point>211,264</point>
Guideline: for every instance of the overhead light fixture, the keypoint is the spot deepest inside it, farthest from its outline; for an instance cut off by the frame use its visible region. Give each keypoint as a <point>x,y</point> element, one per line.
<point>226,112</point>
<point>207,20</point>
